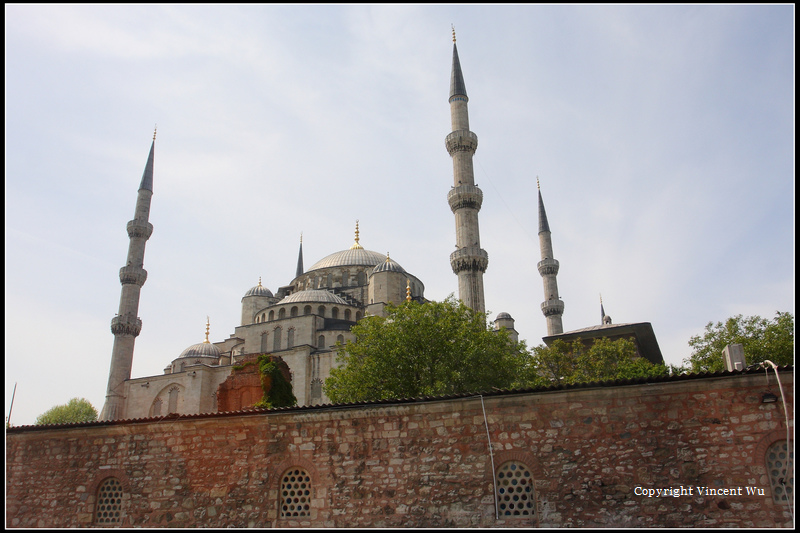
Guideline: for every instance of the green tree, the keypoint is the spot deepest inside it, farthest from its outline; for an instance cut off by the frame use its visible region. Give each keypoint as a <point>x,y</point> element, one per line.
<point>76,410</point>
<point>603,360</point>
<point>761,339</point>
<point>426,349</point>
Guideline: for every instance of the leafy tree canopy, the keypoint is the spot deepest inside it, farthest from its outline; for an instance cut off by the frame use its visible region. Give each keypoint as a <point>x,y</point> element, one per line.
<point>761,339</point>
<point>426,349</point>
<point>570,363</point>
<point>76,410</point>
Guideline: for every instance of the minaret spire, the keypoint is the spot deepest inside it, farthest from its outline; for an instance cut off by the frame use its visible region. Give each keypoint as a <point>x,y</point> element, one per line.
<point>126,325</point>
<point>469,261</point>
<point>552,307</point>
<point>299,259</point>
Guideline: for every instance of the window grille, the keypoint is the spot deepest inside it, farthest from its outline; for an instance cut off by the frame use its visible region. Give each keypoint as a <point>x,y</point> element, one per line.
<point>109,503</point>
<point>515,490</point>
<point>780,465</point>
<point>295,494</point>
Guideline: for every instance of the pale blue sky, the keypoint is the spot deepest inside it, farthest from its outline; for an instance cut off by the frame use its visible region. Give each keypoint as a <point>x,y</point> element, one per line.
<point>663,137</point>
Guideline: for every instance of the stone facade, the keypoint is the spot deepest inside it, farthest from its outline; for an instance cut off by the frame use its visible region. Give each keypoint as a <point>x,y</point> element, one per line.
<point>587,454</point>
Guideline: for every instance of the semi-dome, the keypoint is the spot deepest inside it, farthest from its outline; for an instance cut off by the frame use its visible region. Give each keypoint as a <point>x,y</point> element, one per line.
<point>313,296</point>
<point>259,290</point>
<point>388,265</point>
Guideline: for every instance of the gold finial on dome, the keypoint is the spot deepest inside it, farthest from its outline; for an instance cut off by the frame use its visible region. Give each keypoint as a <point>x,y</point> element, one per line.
<point>356,246</point>
<point>537,183</point>
<point>454,32</point>
<point>408,290</point>
<point>259,283</point>
<point>208,324</point>
<point>155,128</point>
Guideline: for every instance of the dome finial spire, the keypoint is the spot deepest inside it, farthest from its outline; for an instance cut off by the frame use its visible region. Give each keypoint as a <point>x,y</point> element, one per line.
<point>356,246</point>
<point>208,322</point>
<point>454,32</point>
<point>537,183</point>
<point>155,129</point>
<point>408,290</point>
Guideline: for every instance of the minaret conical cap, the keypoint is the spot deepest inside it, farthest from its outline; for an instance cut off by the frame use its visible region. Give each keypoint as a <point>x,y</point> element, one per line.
<point>457,85</point>
<point>543,225</point>
<point>300,270</point>
<point>147,176</point>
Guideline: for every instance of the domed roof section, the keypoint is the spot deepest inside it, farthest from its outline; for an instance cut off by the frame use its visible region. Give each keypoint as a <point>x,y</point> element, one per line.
<point>202,349</point>
<point>355,256</point>
<point>388,265</point>
<point>313,296</point>
<point>502,316</point>
<point>259,290</point>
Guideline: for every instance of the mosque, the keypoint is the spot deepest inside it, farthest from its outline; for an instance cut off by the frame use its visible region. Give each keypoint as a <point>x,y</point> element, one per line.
<point>302,322</point>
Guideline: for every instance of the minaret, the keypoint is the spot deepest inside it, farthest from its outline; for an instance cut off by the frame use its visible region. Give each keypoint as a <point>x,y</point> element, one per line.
<point>469,261</point>
<point>127,325</point>
<point>300,270</point>
<point>552,307</point>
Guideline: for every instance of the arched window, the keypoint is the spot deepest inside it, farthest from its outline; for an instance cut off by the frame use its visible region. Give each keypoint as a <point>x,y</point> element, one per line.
<point>173,400</point>
<point>515,490</point>
<point>321,342</point>
<point>780,465</point>
<point>271,316</point>
<point>330,280</point>
<point>335,312</point>
<point>295,494</point>
<point>307,310</point>
<point>282,313</point>
<point>108,509</point>
<point>157,403</point>
<point>263,317</point>
<point>290,338</point>
<point>345,278</point>
<point>340,339</point>
<point>361,278</point>
<point>294,311</point>
<point>347,314</point>
<point>316,390</point>
<point>358,316</point>
<point>321,310</point>
<point>264,345</point>
<point>276,340</point>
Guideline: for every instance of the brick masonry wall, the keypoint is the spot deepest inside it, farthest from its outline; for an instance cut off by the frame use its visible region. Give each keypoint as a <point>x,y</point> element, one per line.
<point>422,464</point>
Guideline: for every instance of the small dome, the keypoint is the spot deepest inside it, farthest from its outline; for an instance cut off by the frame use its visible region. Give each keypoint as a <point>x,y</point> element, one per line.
<point>313,296</point>
<point>389,265</point>
<point>503,316</point>
<point>259,290</point>
<point>203,349</point>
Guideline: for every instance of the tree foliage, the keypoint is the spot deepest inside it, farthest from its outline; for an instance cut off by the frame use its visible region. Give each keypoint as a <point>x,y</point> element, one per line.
<point>434,348</point>
<point>277,389</point>
<point>761,339</point>
<point>76,410</point>
<point>570,363</point>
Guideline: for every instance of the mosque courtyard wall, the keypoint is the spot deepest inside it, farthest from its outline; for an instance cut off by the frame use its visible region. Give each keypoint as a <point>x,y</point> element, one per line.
<point>586,456</point>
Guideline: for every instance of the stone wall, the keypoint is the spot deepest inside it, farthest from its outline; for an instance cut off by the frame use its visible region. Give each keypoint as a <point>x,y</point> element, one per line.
<point>591,451</point>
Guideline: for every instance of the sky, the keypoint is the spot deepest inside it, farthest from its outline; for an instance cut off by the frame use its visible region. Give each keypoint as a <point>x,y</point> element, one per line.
<point>662,136</point>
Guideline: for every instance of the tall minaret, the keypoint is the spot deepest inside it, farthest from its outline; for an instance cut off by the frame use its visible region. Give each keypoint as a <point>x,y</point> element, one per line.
<point>127,325</point>
<point>469,261</point>
<point>552,307</point>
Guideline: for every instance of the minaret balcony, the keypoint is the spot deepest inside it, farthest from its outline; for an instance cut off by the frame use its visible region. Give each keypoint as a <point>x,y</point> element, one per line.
<point>461,141</point>
<point>126,325</point>
<point>139,228</point>
<point>547,267</point>
<point>132,275</point>
<point>465,196</point>
<point>553,307</point>
<point>469,259</point>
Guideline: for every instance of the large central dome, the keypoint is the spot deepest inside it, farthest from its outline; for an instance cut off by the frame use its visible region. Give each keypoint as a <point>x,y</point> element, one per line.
<point>355,256</point>
<point>351,257</point>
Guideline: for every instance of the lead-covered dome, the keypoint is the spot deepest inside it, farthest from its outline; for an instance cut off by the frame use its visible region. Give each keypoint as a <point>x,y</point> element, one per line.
<point>313,296</point>
<point>202,349</point>
<point>355,256</point>
<point>259,290</point>
<point>388,265</point>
